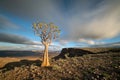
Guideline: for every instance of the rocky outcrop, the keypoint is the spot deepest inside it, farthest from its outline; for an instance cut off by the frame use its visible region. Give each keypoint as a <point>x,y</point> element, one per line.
<point>72,52</point>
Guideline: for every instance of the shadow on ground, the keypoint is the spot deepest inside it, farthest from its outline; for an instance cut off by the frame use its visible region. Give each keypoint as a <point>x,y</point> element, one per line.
<point>12,65</point>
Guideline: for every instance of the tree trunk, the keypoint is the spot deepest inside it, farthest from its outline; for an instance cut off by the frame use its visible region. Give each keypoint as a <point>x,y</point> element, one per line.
<point>45,56</point>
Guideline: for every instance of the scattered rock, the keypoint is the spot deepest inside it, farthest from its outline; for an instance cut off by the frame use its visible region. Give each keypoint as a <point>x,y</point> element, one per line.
<point>75,68</point>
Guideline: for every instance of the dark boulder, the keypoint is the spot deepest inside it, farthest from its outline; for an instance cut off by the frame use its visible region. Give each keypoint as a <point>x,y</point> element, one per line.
<point>72,52</point>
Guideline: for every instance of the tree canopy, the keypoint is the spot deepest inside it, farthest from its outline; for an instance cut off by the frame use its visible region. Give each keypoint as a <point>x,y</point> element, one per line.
<point>47,32</point>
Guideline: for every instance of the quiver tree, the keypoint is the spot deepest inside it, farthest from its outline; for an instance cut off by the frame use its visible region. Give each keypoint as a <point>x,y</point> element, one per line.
<point>47,33</point>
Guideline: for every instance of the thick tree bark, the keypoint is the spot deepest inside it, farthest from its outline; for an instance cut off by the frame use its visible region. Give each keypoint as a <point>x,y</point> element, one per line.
<point>45,56</point>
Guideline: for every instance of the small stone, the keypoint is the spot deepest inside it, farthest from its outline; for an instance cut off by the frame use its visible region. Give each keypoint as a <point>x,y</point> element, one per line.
<point>16,68</point>
<point>33,75</point>
<point>69,72</point>
<point>93,78</point>
<point>97,76</point>
<point>38,73</point>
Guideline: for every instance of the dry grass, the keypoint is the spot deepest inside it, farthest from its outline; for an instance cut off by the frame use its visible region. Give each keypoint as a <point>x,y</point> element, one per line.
<point>102,66</point>
<point>97,50</point>
<point>5,60</point>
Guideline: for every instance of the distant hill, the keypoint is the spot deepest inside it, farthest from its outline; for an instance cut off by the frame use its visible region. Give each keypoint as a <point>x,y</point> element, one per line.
<point>23,53</point>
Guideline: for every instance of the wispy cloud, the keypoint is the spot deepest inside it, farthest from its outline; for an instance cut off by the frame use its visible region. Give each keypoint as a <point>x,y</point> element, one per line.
<point>35,10</point>
<point>28,47</point>
<point>16,39</point>
<point>99,23</point>
<point>17,42</point>
<point>90,42</point>
<point>87,41</point>
<point>114,44</point>
<point>63,42</point>
<point>80,20</point>
<point>22,47</point>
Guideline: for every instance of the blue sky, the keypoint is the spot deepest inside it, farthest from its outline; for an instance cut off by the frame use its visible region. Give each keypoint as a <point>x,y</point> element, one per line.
<point>83,23</point>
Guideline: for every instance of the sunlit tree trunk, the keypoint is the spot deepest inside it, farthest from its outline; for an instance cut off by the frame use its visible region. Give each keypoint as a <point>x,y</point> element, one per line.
<point>45,56</point>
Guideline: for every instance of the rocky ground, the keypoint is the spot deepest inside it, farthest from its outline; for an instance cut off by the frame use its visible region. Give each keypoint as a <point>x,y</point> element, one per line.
<point>102,66</point>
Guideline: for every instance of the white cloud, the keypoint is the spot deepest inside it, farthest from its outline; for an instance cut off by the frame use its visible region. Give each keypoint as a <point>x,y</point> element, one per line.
<point>87,41</point>
<point>85,21</point>
<point>96,24</point>
<point>63,42</point>
<point>37,42</point>
<point>90,42</point>
<point>35,46</point>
